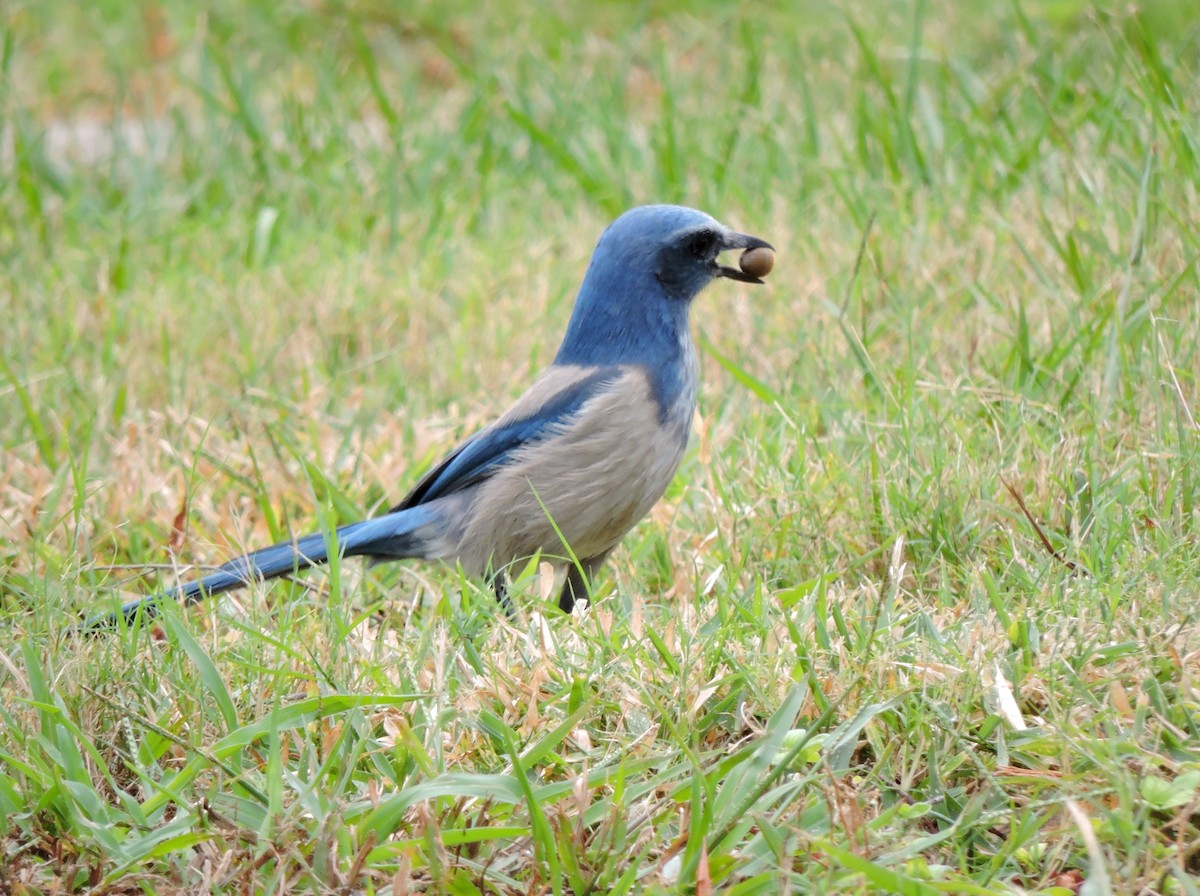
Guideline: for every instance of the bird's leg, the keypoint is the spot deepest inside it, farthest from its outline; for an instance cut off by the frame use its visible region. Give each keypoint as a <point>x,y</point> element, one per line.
<point>499,582</point>
<point>575,588</point>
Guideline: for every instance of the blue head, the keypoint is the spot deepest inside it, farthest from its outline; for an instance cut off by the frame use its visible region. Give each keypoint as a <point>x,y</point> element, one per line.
<point>648,266</point>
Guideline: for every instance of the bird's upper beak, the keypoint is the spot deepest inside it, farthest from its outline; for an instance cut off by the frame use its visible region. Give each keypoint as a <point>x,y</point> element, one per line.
<point>734,240</point>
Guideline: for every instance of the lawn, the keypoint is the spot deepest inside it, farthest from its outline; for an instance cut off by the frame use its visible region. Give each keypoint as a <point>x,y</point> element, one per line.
<point>920,613</point>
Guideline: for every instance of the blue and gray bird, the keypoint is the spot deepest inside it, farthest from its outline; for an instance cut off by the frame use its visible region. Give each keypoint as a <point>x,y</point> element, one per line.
<point>580,458</point>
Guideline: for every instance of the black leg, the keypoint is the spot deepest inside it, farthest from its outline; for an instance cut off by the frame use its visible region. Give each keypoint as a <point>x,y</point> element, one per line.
<point>500,586</point>
<point>575,589</point>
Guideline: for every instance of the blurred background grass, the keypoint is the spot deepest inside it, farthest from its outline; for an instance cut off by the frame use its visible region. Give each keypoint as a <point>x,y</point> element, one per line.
<point>262,263</point>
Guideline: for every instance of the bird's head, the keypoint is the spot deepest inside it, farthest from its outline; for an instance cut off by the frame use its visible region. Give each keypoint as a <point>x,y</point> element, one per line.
<point>648,266</point>
<point>678,248</point>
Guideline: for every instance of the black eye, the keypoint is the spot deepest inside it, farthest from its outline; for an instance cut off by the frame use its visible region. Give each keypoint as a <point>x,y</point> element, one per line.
<point>702,245</point>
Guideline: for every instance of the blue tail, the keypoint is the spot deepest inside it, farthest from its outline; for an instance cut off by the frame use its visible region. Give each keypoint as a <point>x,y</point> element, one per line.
<point>391,537</point>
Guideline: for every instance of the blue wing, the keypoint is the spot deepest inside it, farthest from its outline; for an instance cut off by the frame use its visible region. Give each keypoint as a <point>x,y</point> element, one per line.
<point>553,399</point>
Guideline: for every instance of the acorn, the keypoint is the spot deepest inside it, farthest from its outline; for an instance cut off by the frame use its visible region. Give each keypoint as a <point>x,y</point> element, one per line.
<point>757,262</point>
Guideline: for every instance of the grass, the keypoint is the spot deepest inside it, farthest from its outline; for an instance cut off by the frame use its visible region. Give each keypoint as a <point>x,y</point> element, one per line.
<point>920,614</point>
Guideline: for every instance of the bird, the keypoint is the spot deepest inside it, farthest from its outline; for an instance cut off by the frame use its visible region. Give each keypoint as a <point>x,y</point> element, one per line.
<point>579,458</point>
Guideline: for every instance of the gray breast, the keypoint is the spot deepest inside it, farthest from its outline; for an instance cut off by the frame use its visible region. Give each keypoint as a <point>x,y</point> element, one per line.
<point>592,479</point>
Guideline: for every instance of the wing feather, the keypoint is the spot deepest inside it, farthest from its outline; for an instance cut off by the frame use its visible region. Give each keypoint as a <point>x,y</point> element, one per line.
<point>554,398</point>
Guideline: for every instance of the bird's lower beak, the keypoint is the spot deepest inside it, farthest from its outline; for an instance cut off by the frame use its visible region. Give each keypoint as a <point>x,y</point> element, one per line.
<point>741,241</point>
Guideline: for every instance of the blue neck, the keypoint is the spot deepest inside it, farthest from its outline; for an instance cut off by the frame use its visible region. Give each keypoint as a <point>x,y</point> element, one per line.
<point>624,318</point>
<point>652,334</point>
<point>645,327</point>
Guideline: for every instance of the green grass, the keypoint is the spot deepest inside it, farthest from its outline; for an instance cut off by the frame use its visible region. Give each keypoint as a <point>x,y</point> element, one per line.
<point>921,613</point>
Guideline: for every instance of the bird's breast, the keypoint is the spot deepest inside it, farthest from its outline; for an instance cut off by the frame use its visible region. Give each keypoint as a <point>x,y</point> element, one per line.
<point>673,383</point>
<point>588,482</point>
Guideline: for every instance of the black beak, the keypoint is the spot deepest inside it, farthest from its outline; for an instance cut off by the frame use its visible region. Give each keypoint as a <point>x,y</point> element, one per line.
<point>742,241</point>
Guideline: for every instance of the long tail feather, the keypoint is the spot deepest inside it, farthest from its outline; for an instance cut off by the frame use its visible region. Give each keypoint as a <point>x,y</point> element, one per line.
<point>391,537</point>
